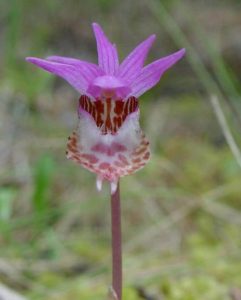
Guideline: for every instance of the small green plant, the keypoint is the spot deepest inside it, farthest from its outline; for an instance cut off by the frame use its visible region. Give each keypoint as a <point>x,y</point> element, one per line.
<point>42,175</point>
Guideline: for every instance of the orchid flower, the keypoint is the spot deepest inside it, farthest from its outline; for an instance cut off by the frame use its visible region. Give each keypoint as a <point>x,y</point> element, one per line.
<point>109,141</point>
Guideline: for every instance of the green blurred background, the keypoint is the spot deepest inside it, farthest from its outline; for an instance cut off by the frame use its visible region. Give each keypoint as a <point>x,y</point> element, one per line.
<point>181,213</point>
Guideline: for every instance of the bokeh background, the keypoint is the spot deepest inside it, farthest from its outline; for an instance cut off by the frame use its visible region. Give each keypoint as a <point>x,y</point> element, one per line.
<point>181,213</point>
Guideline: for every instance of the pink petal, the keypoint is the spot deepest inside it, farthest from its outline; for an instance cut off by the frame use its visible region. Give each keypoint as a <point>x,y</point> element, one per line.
<point>107,53</point>
<point>90,71</point>
<point>78,75</point>
<point>151,74</point>
<point>133,63</point>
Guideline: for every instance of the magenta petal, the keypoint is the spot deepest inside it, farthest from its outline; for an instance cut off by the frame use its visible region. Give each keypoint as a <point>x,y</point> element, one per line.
<point>152,73</point>
<point>107,53</point>
<point>133,63</point>
<point>75,75</point>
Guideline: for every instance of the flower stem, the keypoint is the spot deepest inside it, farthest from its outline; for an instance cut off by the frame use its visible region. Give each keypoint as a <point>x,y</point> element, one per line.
<point>116,243</point>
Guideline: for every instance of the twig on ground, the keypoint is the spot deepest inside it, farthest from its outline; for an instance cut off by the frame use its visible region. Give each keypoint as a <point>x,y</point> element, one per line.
<point>235,294</point>
<point>7,294</point>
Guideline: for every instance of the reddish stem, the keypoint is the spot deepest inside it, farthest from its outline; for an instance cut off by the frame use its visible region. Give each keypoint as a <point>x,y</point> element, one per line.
<point>116,243</point>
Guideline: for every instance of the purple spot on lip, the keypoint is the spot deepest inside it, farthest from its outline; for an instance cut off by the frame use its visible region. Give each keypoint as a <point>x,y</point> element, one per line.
<point>109,150</point>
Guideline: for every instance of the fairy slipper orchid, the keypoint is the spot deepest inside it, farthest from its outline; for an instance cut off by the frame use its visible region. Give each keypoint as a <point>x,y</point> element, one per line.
<point>108,140</point>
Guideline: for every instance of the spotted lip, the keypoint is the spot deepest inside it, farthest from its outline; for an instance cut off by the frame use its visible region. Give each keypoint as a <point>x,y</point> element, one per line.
<point>110,168</point>
<point>108,114</point>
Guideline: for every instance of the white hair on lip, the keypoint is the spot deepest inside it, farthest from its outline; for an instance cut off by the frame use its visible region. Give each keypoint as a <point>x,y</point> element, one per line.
<point>129,133</point>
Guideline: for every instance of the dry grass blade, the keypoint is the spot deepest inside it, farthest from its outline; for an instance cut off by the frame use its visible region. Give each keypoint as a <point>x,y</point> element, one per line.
<point>112,295</point>
<point>222,211</point>
<point>226,131</point>
<point>162,225</point>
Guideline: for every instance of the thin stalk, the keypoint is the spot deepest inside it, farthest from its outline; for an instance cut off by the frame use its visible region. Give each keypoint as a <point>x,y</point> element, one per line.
<point>116,243</point>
